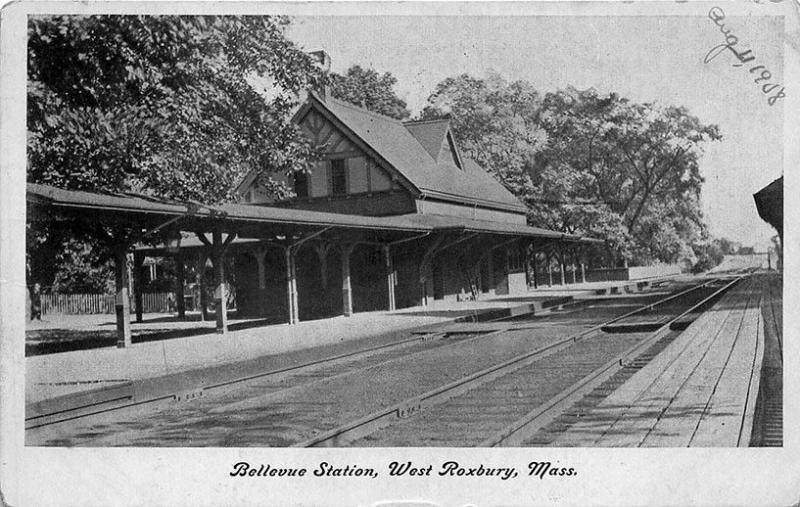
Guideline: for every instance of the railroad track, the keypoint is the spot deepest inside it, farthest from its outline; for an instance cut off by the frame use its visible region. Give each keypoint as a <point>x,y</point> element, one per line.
<point>260,400</point>
<point>505,403</point>
<point>130,398</point>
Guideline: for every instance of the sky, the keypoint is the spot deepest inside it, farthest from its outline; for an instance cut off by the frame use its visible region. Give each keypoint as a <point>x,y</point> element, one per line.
<point>644,58</point>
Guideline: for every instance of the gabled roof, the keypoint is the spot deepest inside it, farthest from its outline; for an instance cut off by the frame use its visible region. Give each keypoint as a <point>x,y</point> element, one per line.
<point>410,155</point>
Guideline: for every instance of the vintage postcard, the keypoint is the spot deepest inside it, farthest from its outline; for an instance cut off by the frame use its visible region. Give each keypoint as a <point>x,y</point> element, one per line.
<point>398,253</point>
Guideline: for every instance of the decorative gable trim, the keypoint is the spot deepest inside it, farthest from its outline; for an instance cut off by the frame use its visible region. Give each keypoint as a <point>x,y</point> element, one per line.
<point>246,183</point>
<point>323,133</point>
<point>317,105</point>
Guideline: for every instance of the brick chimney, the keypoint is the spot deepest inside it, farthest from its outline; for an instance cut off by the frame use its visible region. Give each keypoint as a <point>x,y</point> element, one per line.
<point>323,60</point>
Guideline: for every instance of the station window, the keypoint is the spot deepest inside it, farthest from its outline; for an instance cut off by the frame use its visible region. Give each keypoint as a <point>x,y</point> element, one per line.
<point>338,177</point>
<point>301,184</point>
<point>514,259</point>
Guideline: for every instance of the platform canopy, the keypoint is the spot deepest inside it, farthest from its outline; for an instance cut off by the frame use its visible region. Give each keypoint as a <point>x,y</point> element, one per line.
<point>285,228</point>
<point>769,202</point>
<point>252,221</point>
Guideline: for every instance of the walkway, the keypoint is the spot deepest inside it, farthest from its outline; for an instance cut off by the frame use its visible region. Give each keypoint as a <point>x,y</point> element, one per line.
<point>699,392</point>
<point>194,345</point>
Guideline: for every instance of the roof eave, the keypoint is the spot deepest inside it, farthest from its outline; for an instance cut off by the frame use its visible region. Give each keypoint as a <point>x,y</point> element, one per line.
<point>471,201</point>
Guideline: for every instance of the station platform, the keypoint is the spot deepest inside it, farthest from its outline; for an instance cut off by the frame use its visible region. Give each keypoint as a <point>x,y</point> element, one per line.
<point>608,287</point>
<point>193,345</point>
<point>700,391</point>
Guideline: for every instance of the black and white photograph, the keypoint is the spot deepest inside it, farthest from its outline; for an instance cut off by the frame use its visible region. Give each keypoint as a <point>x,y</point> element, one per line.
<point>412,253</point>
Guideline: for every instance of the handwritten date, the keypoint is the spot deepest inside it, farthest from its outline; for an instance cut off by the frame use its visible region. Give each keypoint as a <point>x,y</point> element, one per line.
<point>761,73</point>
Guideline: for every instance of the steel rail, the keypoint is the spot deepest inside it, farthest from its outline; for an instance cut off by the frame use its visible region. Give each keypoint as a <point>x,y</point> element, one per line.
<point>536,419</point>
<point>372,422</point>
<point>128,396</point>
<point>36,421</point>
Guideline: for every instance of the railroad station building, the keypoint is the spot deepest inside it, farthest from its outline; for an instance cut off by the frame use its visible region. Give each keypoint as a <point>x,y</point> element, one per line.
<point>378,166</point>
<point>392,215</point>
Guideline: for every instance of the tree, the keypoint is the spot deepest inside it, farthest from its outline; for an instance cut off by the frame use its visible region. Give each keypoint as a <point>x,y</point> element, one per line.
<point>370,90</point>
<point>495,123</point>
<point>500,126</point>
<point>160,105</point>
<point>642,160</point>
<point>728,247</point>
<point>587,163</point>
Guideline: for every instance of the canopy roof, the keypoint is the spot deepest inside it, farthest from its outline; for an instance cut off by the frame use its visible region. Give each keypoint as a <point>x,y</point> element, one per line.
<point>258,221</point>
<point>769,203</point>
<point>453,223</point>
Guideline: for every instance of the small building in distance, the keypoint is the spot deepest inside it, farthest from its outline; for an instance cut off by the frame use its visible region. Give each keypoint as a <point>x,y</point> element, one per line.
<point>769,203</point>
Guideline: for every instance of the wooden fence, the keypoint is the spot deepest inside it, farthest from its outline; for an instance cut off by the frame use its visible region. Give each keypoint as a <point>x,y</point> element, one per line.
<point>84,304</point>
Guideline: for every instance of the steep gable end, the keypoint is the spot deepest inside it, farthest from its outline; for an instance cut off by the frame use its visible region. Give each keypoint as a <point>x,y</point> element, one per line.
<point>324,135</point>
<point>413,153</point>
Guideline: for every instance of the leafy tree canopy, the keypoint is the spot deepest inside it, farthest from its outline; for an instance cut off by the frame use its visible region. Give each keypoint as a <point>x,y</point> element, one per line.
<point>370,90</point>
<point>161,104</point>
<point>587,163</point>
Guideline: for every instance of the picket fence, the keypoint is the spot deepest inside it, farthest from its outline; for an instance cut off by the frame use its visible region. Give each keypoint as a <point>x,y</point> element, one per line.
<point>84,304</point>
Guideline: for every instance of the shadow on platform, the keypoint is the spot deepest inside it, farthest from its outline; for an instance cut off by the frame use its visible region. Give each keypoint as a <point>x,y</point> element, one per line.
<point>55,340</point>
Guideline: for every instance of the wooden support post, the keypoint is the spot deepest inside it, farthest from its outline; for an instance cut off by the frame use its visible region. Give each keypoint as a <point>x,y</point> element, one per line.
<point>291,284</point>
<point>262,267</point>
<point>549,270</point>
<point>199,277</point>
<point>260,254</point>
<point>180,282</point>
<point>535,270</point>
<point>387,257</point>
<point>322,254</point>
<point>347,291</point>
<point>574,268</point>
<point>220,298</point>
<point>295,292</point>
<point>426,265</point>
<point>122,302</point>
<point>527,261</point>
<point>129,264</point>
<point>490,269</point>
<point>583,272</point>
<point>138,282</point>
